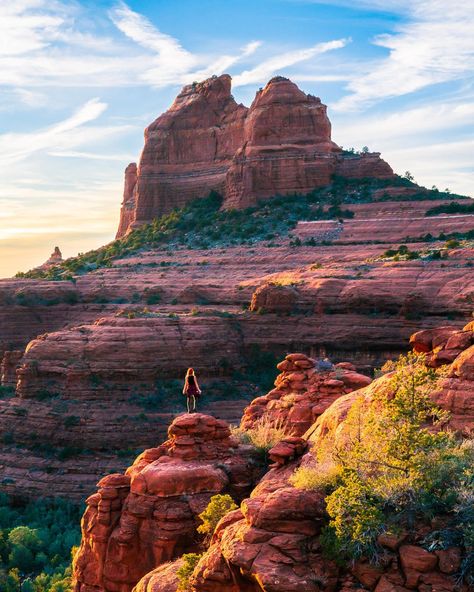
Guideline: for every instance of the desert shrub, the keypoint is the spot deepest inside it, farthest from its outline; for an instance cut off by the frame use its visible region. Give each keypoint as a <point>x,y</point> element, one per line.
<point>218,506</point>
<point>452,243</point>
<point>392,470</point>
<point>265,434</point>
<point>325,477</point>
<point>403,253</point>
<point>356,516</point>
<point>184,573</point>
<point>451,208</point>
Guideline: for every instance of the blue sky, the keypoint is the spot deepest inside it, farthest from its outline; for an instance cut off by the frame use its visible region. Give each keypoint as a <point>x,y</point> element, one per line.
<point>79,81</point>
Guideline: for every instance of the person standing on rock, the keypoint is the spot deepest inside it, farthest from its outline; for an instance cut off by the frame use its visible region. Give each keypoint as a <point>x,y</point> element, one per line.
<point>191,390</point>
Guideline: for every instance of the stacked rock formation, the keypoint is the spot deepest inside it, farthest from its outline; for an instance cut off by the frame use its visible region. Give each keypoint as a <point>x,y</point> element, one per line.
<point>272,542</point>
<point>303,391</point>
<point>206,141</point>
<point>444,346</point>
<point>55,258</point>
<point>148,516</point>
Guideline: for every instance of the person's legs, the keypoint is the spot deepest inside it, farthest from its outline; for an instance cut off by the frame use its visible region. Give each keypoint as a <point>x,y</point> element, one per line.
<point>191,403</point>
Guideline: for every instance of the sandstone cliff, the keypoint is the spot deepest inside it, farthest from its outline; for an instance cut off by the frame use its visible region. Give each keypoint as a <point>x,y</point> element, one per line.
<point>206,141</point>
<point>272,542</point>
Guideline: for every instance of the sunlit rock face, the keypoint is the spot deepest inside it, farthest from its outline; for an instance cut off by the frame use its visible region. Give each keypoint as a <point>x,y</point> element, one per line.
<point>206,141</point>
<point>141,519</point>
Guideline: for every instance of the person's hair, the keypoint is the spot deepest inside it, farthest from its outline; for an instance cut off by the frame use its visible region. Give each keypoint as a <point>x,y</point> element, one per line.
<point>190,372</point>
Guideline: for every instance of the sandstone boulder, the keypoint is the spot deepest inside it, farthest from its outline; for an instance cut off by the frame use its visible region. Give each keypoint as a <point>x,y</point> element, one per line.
<point>274,298</point>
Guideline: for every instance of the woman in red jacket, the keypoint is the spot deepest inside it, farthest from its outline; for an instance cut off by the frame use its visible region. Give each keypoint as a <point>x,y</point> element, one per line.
<point>191,390</point>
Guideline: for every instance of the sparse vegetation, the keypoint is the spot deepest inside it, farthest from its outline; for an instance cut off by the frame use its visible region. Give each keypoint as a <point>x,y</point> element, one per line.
<point>390,471</point>
<point>202,224</point>
<point>190,560</point>
<point>452,208</point>
<point>265,434</point>
<point>403,253</point>
<point>218,506</point>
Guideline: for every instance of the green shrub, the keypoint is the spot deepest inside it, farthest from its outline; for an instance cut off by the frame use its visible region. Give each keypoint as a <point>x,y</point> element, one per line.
<point>218,506</point>
<point>451,208</point>
<point>391,469</point>
<point>184,573</point>
<point>71,421</point>
<point>452,244</point>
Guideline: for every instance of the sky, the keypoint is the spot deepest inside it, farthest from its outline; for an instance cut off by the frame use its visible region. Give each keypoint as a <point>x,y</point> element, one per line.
<point>81,79</point>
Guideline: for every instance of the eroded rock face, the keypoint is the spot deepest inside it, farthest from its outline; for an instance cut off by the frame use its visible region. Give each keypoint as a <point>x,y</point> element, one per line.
<point>454,393</point>
<point>274,298</point>
<point>118,352</point>
<point>206,141</point>
<point>269,544</point>
<point>55,258</point>
<point>148,516</point>
<point>161,579</point>
<point>187,152</point>
<point>303,391</point>
<point>272,544</point>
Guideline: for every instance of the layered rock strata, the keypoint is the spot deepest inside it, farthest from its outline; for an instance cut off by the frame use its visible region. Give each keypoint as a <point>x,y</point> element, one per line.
<point>206,141</point>
<point>147,516</point>
<point>303,391</point>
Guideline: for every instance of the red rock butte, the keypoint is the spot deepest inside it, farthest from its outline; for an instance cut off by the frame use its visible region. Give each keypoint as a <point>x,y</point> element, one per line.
<point>206,141</point>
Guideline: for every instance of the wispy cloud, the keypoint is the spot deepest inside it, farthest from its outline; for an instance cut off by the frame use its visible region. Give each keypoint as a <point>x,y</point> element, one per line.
<point>92,155</point>
<point>170,59</point>
<point>434,44</point>
<point>402,125</point>
<point>45,43</point>
<point>276,64</point>
<point>14,146</point>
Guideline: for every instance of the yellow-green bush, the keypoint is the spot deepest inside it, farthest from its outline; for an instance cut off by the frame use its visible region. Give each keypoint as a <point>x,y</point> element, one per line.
<point>217,508</point>
<point>265,434</point>
<point>394,464</point>
<point>323,476</point>
<point>190,560</point>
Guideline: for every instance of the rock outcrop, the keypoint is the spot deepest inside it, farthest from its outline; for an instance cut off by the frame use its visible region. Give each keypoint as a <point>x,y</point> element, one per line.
<point>206,141</point>
<point>144,519</point>
<point>55,258</point>
<point>445,346</point>
<point>272,544</point>
<point>303,391</point>
<point>149,515</point>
